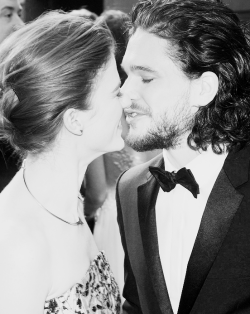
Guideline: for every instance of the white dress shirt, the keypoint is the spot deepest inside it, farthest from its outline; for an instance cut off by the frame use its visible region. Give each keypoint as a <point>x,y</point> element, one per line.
<point>178,217</point>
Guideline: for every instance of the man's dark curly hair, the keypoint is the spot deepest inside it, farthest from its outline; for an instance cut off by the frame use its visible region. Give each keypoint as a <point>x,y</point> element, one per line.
<point>206,36</point>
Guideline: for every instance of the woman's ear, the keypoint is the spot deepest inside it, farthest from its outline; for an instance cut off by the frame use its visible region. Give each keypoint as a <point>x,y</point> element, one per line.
<point>208,87</point>
<point>73,121</point>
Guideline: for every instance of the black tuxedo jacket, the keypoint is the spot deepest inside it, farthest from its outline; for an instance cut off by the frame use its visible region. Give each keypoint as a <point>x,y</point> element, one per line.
<point>217,280</point>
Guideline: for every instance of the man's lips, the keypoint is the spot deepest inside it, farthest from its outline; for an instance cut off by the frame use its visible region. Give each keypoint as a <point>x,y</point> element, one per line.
<point>133,116</point>
<point>133,113</point>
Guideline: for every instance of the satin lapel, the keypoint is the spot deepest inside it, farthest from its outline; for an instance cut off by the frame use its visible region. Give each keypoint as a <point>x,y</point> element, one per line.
<point>221,207</point>
<point>147,195</point>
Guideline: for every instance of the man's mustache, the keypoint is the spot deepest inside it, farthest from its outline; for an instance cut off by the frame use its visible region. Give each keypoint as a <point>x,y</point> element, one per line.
<point>136,107</point>
<point>16,28</point>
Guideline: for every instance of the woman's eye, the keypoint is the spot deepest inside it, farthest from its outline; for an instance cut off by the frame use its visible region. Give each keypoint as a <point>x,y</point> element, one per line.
<point>145,81</point>
<point>119,95</point>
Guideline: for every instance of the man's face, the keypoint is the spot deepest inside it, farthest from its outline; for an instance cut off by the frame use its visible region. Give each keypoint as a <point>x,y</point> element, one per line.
<point>158,99</point>
<point>10,12</point>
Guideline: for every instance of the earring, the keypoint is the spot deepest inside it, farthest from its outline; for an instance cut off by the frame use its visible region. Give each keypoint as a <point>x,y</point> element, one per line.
<point>74,131</point>
<point>81,131</point>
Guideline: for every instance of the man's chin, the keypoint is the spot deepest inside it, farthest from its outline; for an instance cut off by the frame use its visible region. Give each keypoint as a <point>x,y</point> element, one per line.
<point>153,140</point>
<point>142,144</point>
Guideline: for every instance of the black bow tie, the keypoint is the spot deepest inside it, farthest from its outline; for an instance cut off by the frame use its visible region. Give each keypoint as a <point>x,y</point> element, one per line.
<point>168,180</point>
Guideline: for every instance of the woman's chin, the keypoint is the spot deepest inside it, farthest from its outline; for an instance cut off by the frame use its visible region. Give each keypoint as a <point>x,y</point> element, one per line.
<point>116,145</point>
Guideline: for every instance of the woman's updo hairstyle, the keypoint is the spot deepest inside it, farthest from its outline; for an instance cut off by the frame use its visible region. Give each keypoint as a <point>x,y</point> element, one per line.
<point>46,67</point>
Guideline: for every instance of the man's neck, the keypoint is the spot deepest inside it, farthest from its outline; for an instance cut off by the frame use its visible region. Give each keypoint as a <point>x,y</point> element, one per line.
<point>180,156</point>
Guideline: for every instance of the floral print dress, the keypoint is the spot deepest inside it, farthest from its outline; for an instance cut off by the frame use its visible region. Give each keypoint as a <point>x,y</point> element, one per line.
<point>97,293</point>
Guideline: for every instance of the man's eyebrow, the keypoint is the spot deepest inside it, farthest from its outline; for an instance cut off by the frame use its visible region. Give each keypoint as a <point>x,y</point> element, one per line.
<point>20,9</point>
<point>134,68</point>
<point>142,68</point>
<point>7,8</point>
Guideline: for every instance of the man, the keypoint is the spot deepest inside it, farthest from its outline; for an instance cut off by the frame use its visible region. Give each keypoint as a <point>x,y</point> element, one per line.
<point>10,17</point>
<point>187,243</point>
<point>10,20</point>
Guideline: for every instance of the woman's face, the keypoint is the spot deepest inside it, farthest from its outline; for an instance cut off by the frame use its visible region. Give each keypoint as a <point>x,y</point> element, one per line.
<point>103,128</point>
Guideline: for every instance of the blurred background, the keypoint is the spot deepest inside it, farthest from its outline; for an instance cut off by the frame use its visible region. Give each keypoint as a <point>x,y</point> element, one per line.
<point>33,8</point>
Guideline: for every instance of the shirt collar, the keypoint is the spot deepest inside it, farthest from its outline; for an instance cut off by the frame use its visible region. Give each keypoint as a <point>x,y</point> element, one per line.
<point>203,166</point>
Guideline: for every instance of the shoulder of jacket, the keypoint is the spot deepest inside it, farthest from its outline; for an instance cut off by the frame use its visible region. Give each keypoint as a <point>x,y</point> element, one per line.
<point>137,175</point>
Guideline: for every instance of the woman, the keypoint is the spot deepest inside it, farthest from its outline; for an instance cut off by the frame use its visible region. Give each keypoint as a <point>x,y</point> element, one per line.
<point>60,110</point>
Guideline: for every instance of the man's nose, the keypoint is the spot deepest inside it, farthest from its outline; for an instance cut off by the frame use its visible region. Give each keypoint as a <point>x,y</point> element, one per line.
<point>18,22</point>
<point>128,93</point>
<point>125,101</point>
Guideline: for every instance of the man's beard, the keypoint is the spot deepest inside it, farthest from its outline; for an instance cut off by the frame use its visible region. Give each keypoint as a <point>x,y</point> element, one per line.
<point>163,134</point>
<point>155,139</point>
<point>161,138</point>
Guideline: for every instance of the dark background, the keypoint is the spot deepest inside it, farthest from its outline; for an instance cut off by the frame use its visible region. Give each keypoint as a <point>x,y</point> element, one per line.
<point>34,8</point>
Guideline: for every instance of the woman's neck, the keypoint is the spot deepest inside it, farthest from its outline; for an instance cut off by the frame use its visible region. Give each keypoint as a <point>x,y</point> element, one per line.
<point>55,180</point>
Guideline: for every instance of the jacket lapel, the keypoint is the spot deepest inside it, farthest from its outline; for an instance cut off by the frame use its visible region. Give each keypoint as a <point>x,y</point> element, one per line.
<point>221,207</point>
<point>147,195</point>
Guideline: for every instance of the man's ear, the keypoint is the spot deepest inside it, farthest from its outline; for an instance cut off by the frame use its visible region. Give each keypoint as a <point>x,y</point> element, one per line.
<point>73,121</point>
<point>208,87</point>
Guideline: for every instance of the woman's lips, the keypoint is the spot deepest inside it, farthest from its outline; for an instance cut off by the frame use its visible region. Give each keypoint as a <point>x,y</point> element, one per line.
<point>119,125</point>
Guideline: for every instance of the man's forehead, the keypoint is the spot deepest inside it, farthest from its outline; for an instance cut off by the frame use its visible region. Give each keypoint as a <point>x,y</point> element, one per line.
<point>143,37</point>
<point>144,48</point>
<point>9,3</point>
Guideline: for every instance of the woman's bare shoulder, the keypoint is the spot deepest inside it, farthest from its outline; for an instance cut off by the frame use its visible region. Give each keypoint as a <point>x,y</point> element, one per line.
<point>21,234</point>
<point>18,226</point>
<point>24,266</point>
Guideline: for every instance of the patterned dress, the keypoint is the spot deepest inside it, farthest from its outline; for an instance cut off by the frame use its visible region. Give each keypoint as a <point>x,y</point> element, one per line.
<point>97,293</point>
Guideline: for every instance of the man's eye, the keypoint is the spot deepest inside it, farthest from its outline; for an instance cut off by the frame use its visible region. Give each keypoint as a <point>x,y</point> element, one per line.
<point>8,15</point>
<point>146,80</point>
